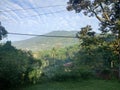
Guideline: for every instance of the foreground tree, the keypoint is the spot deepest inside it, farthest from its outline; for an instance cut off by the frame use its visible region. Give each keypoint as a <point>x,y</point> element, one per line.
<point>16,66</point>
<point>106,11</point>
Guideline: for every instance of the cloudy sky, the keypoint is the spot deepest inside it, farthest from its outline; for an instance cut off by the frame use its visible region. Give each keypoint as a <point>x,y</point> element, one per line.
<point>40,17</point>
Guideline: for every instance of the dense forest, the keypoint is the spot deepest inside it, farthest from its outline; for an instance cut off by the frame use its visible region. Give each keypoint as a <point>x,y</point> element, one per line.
<point>95,56</point>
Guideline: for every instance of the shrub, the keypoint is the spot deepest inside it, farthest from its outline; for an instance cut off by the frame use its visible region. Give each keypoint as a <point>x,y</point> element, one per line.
<point>15,65</point>
<point>76,73</point>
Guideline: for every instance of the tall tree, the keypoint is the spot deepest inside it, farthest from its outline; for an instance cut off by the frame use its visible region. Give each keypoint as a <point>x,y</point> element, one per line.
<point>106,11</point>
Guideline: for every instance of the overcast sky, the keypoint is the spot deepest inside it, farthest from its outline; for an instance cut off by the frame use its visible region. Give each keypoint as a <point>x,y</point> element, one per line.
<point>52,17</point>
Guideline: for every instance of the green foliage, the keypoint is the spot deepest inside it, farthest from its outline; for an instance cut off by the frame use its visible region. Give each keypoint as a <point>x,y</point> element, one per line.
<point>63,64</point>
<point>16,65</point>
<point>53,61</point>
<point>72,85</point>
<point>83,72</point>
<point>106,11</point>
<point>98,52</point>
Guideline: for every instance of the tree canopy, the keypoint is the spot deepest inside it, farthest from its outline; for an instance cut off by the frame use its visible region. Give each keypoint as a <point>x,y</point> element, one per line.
<point>106,11</point>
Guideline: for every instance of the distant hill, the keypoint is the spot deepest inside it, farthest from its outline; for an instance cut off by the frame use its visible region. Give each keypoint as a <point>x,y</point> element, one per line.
<point>45,43</point>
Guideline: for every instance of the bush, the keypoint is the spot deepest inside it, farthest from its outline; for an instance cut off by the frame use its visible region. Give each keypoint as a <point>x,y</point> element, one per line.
<point>76,73</point>
<point>15,65</point>
<point>84,72</point>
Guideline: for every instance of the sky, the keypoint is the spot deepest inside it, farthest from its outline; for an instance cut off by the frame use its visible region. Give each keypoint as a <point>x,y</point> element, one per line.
<point>40,17</point>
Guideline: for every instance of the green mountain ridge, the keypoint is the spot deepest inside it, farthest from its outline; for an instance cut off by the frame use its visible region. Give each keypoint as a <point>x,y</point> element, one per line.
<point>44,43</point>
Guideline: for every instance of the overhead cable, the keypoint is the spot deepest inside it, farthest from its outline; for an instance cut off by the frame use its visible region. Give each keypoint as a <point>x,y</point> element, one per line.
<point>60,11</point>
<point>30,8</point>
<point>42,35</point>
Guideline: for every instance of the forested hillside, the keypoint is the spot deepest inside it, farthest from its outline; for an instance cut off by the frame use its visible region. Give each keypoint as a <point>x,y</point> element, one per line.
<point>44,43</point>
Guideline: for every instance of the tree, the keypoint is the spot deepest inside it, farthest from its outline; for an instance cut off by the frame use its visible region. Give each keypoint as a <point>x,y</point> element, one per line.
<point>3,32</point>
<point>16,66</point>
<point>106,11</point>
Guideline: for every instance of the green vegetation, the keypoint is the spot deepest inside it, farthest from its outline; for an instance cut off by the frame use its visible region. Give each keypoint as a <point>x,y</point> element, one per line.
<point>17,67</point>
<point>81,66</point>
<point>92,59</point>
<point>72,85</point>
<point>47,43</point>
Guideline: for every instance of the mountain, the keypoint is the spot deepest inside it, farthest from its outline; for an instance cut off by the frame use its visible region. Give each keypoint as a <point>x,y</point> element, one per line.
<point>44,43</point>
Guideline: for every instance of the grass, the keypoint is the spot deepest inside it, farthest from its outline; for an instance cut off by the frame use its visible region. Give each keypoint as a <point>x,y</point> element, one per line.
<point>72,85</point>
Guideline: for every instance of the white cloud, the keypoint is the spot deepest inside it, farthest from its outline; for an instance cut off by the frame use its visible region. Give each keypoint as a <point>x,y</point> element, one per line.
<point>21,21</point>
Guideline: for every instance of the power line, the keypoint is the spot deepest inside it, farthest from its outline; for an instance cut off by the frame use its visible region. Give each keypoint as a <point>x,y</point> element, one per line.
<point>41,14</point>
<point>44,14</point>
<point>42,35</point>
<point>30,8</point>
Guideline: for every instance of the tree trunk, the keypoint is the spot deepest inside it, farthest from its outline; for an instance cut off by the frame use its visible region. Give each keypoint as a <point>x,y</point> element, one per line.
<point>119,47</point>
<point>119,51</point>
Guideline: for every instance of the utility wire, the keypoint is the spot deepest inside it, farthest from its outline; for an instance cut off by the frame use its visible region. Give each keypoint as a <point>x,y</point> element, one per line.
<point>45,14</point>
<point>30,8</point>
<point>40,14</point>
<point>42,35</point>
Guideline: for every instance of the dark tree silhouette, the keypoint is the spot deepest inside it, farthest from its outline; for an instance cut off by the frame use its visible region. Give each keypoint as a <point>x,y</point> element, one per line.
<point>3,32</point>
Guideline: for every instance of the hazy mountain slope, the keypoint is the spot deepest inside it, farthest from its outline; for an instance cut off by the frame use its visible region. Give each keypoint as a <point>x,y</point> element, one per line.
<point>44,43</point>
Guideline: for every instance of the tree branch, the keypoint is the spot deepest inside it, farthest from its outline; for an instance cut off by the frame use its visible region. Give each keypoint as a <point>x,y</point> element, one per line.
<point>99,18</point>
<point>105,13</point>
